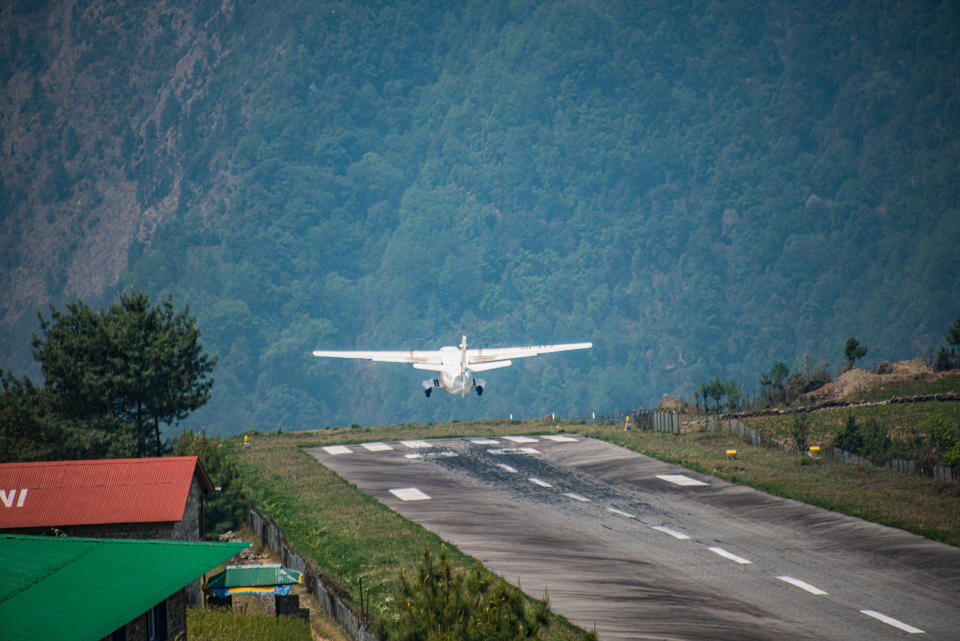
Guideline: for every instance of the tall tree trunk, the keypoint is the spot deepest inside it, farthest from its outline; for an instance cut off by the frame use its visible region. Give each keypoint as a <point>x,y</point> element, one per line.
<point>156,431</point>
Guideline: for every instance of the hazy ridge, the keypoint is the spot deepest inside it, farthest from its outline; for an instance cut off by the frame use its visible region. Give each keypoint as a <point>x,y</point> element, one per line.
<point>699,188</point>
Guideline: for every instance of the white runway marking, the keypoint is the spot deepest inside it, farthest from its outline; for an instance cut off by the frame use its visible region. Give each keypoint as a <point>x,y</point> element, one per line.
<point>561,438</point>
<point>500,451</point>
<point>891,621</point>
<point>377,447</point>
<point>337,449</point>
<point>539,482</point>
<point>430,455</point>
<point>504,466</point>
<point>409,494</point>
<point>521,439</point>
<point>416,445</point>
<point>730,555</point>
<point>576,497</point>
<point>673,533</point>
<point>680,479</point>
<point>614,510</point>
<point>803,585</point>
<point>483,440</point>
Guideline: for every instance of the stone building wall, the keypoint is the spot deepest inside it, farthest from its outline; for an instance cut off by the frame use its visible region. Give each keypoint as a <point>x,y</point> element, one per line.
<point>188,529</point>
<point>136,630</point>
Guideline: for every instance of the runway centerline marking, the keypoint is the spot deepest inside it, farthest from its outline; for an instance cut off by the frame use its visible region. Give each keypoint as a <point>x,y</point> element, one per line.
<point>409,494</point>
<point>894,622</point>
<point>680,479</point>
<point>803,585</point>
<point>377,447</point>
<point>614,510</point>
<point>537,481</point>
<point>334,450</point>
<point>521,439</point>
<point>730,555</point>
<point>507,468</point>
<point>673,533</point>
<point>576,497</point>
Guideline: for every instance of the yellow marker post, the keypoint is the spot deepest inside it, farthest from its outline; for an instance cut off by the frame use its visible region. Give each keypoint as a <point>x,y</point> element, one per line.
<point>246,440</point>
<point>731,454</point>
<point>814,450</point>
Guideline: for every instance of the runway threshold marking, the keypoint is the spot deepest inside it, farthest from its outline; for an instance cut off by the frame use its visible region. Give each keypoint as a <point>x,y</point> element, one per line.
<point>680,479</point>
<point>730,555</point>
<point>906,627</point>
<point>803,585</point>
<point>614,510</point>
<point>521,439</point>
<point>537,481</point>
<point>416,445</point>
<point>409,494</point>
<point>673,533</point>
<point>561,438</point>
<point>576,497</point>
<point>376,447</point>
<point>334,450</point>
<point>482,440</point>
<point>507,468</point>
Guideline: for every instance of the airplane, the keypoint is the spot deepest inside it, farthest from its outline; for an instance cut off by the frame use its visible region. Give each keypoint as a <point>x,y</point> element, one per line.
<point>455,365</point>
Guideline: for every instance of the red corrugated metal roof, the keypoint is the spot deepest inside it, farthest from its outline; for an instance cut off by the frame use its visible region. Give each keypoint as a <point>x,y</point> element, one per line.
<point>57,493</point>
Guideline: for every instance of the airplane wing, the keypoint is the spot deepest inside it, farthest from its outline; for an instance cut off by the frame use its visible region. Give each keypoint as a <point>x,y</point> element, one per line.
<point>425,357</point>
<point>475,356</point>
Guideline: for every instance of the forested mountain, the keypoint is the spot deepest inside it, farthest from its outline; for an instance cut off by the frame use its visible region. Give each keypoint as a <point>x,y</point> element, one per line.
<point>699,188</point>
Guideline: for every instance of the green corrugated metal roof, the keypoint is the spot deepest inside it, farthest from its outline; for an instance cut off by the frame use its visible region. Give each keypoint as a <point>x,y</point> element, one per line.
<point>84,589</point>
<point>243,576</point>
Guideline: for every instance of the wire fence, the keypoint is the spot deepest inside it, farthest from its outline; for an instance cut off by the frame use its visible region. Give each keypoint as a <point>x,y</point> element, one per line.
<point>333,597</point>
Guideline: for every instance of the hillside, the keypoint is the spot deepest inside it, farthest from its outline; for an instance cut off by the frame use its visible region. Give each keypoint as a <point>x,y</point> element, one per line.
<point>699,188</point>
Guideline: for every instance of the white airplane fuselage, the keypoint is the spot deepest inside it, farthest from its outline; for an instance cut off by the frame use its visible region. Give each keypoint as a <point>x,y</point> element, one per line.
<point>455,377</point>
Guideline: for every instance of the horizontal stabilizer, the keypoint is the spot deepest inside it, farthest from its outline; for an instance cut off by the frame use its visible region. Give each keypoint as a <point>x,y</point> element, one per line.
<point>433,367</point>
<point>482,367</point>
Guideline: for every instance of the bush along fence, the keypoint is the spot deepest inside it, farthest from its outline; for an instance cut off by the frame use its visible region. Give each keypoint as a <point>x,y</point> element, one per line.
<point>333,597</point>
<point>904,466</point>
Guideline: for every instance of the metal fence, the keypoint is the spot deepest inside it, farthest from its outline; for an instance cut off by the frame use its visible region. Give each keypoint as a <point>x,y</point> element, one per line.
<point>333,597</point>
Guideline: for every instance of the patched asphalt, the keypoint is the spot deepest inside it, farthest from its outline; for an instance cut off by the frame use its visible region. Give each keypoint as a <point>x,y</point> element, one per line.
<point>602,542</point>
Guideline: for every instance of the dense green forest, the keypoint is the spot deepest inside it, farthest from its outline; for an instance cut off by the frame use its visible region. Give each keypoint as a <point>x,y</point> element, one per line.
<point>699,188</point>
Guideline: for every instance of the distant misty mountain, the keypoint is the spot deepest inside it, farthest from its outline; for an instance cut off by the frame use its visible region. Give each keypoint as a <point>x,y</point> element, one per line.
<point>700,189</point>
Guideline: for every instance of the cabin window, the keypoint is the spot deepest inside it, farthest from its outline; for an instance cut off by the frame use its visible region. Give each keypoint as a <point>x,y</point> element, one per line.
<point>157,622</point>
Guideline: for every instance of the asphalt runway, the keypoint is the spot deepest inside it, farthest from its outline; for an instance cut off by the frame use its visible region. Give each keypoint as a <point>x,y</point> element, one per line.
<point>641,549</point>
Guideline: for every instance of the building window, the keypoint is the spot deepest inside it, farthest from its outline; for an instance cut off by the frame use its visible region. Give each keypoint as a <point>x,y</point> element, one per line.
<point>157,622</point>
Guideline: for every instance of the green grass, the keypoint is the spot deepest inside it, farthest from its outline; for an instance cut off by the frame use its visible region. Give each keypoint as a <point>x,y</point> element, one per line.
<point>902,420</point>
<point>216,624</point>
